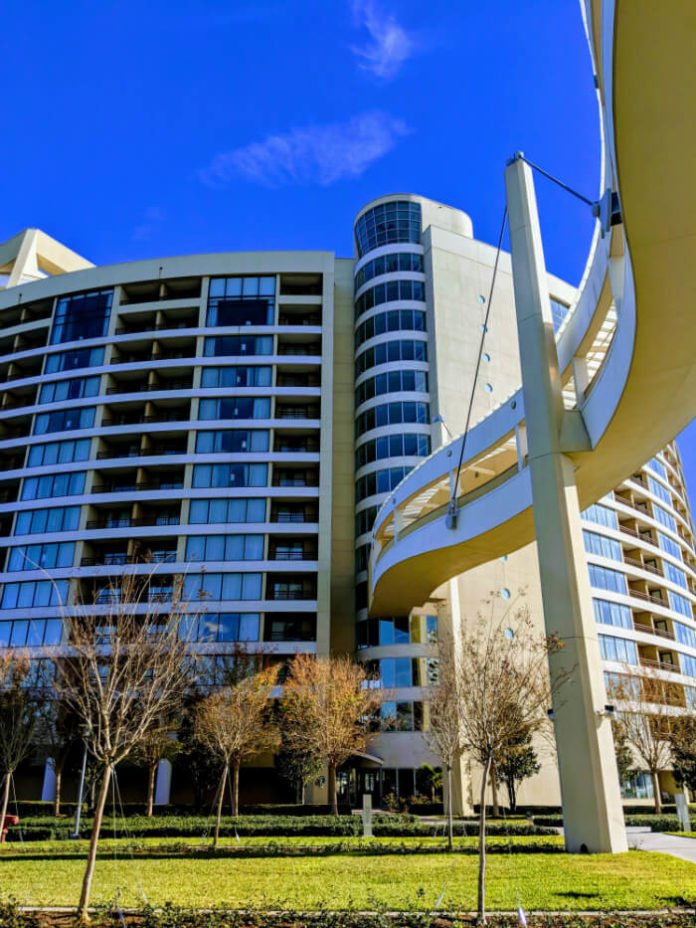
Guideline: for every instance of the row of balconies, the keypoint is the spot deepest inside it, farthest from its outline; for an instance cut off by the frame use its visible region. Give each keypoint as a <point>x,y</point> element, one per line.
<point>142,411</point>
<point>160,587</point>
<point>142,351</point>
<point>167,550</point>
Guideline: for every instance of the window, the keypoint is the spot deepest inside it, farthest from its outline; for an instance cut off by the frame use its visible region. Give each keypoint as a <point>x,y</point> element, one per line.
<point>381,481</point>
<point>393,382</point>
<point>559,311</point>
<point>236,377</point>
<point>394,320</point>
<point>236,407</point>
<point>390,352</point>
<point>685,634</point>
<point>45,521</point>
<point>83,315</point>
<point>671,547</point>
<point>232,345</point>
<point>73,360</point>
<point>294,627</point>
<point>34,593</point>
<point>416,629</point>
<point>605,579</point>
<point>604,547</point>
<point>658,490</point>
<point>392,414</point>
<point>401,716</point>
<point>664,518</point>
<point>676,575</point>
<point>74,389</point>
<point>393,446</point>
<point>238,301</point>
<point>230,475</point>
<point>222,587</point>
<point>59,452</point>
<point>31,633</point>
<point>223,511</point>
<point>393,291</point>
<point>388,223</point>
<point>53,485</point>
<point>388,264</point>
<point>607,613</point>
<point>64,420</point>
<point>232,440</point>
<point>395,671</point>
<point>37,557</point>
<point>680,604</point>
<point>658,467</point>
<point>364,520</point>
<point>688,665</point>
<point>224,626</point>
<point>618,649</point>
<point>225,548</point>
<point>601,515</point>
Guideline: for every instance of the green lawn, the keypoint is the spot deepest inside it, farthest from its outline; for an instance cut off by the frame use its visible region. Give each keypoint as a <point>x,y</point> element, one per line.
<point>635,880</point>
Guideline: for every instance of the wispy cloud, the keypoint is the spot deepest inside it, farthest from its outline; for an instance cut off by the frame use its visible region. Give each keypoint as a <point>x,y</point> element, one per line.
<point>318,155</point>
<point>389,44</point>
<point>152,217</point>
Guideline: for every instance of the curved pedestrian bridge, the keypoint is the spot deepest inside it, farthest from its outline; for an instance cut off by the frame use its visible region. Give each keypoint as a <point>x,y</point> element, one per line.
<point>626,355</point>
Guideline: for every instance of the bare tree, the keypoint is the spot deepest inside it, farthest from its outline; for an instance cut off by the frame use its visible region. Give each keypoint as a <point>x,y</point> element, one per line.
<point>21,708</point>
<point>647,712</point>
<point>157,745</point>
<point>126,668</point>
<point>328,706</point>
<point>505,692</point>
<point>446,734</point>
<point>236,723</point>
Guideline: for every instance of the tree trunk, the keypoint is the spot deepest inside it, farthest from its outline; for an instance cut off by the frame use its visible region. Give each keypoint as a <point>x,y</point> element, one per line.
<point>221,794</point>
<point>235,788</point>
<point>450,811</point>
<point>481,902</point>
<point>151,775</point>
<point>333,793</point>
<point>494,791</point>
<point>5,800</point>
<point>93,844</point>
<point>512,794</point>
<point>58,774</point>
<point>657,796</point>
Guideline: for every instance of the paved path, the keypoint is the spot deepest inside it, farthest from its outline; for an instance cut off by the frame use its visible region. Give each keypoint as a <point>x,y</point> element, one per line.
<point>643,840</point>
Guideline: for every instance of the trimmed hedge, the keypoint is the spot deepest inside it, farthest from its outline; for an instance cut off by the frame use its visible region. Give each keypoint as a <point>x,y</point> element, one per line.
<point>168,916</point>
<point>654,822</point>
<point>43,828</point>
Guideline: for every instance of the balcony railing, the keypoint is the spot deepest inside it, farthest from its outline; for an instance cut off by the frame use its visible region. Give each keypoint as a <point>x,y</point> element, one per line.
<point>149,388</point>
<point>117,488</point>
<point>155,557</point>
<point>650,630</point>
<point>634,562</point>
<point>133,523</point>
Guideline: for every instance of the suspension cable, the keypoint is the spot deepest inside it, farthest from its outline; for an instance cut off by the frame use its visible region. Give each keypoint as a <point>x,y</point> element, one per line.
<point>519,156</point>
<point>484,331</point>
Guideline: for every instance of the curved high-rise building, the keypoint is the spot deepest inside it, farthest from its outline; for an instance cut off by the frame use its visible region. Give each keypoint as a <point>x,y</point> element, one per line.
<point>238,419</point>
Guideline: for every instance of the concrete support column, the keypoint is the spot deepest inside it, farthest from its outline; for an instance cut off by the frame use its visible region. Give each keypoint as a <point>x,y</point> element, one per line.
<point>592,810</point>
<point>48,788</point>
<point>163,783</point>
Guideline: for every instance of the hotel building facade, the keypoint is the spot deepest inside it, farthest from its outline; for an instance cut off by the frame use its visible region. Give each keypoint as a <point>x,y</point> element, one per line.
<point>239,418</point>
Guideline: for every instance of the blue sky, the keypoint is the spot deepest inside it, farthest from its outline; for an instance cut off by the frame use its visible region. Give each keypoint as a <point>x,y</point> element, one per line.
<point>148,129</point>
